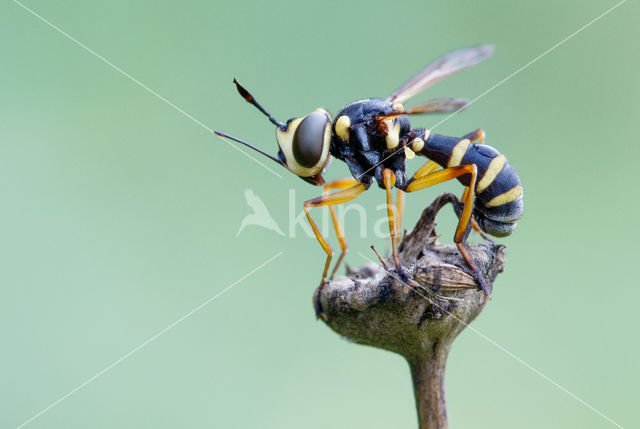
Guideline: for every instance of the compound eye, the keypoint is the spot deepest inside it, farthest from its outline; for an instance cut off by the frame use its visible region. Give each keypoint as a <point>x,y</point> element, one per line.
<point>309,139</point>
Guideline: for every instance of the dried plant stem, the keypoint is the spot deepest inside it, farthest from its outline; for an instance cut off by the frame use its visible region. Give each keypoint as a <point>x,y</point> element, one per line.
<point>373,307</point>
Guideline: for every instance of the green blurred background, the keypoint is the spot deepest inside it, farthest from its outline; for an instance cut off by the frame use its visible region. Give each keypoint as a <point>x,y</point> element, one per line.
<point>119,214</point>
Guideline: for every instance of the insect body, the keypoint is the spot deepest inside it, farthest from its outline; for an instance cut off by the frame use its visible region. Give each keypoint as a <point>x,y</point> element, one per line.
<point>498,204</point>
<point>374,138</point>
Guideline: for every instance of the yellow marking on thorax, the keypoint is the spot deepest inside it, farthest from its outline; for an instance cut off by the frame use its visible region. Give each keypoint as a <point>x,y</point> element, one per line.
<point>506,197</point>
<point>417,144</point>
<point>409,153</point>
<point>393,135</point>
<point>427,133</point>
<point>397,107</point>
<point>342,127</point>
<point>495,167</point>
<point>458,153</point>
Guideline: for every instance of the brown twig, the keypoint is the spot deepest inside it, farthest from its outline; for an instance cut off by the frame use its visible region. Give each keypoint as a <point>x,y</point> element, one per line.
<point>373,307</point>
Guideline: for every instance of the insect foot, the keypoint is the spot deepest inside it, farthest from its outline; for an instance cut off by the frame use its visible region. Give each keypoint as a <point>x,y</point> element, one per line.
<point>320,314</point>
<point>373,306</point>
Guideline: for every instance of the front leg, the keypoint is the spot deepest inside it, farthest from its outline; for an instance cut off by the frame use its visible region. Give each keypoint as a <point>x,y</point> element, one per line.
<point>329,200</point>
<point>339,184</point>
<point>389,179</point>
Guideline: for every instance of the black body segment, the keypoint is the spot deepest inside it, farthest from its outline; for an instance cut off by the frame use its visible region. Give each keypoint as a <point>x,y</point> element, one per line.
<point>496,215</point>
<point>437,147</point>
<point>365,148</point>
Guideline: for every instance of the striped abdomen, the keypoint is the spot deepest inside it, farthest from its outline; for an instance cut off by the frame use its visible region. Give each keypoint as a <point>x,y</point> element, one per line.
<point>498,204</point>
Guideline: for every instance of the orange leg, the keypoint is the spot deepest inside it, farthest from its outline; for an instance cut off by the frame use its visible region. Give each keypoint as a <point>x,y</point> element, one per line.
<point>428,168</point>
<point>478,134</point>
<point>432,166</point>
<point>339,184</point>
<point>474,224</point>
<point>465,218</point>
<point>400,211</point>
<point>330,200</point>
<point>389,179</point>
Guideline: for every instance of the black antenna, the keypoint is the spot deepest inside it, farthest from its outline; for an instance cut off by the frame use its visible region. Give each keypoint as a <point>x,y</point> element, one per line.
<point>221,134</point>
<point>247,96</point>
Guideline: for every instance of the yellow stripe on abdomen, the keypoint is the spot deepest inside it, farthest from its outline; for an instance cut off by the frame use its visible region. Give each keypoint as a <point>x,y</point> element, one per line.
<point>495,167</point>
<point>506,197</point>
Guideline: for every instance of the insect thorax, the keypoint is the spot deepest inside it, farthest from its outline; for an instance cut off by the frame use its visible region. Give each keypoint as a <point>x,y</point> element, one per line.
<point>367,144</point>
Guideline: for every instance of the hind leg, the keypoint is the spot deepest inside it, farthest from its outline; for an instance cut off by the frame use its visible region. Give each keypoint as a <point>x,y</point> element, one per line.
<point>465,218</point>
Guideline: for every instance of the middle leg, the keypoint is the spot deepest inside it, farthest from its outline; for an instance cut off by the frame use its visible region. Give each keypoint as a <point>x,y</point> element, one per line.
<point>389,179</point>
<point>400,211</point>
<point>330,200</point>
<point>480,136</point>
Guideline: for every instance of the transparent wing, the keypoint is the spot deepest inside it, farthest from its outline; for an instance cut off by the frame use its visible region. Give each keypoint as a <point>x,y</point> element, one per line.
<point>440,69</point>
<point>435,105</point>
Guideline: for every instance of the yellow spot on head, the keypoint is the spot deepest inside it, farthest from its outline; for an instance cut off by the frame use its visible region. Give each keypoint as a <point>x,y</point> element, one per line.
<point>506,197</point>
<point>417,144</point>
<point>458,153</point>
<point>342,127</point>
<point>494,168</point>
